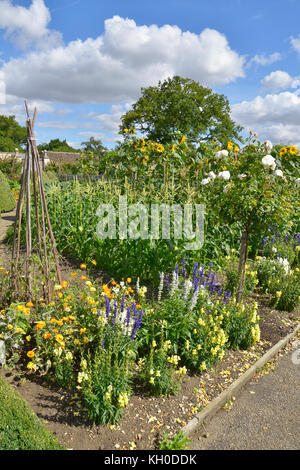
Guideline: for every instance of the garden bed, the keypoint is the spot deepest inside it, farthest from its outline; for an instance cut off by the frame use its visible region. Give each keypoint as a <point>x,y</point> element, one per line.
<point>146,418</point>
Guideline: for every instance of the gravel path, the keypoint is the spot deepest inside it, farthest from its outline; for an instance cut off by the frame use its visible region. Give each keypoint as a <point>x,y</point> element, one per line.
<point>264,416</point>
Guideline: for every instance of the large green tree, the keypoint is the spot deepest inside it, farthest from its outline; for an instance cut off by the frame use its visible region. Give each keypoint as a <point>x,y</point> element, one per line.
<point>95,146</point>
<point>12,135</point>
<point>181,106</point>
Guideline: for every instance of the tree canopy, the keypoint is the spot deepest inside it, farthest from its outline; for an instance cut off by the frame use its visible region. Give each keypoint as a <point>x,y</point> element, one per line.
<point>12,135</point>
<point>57,145</point>
<point>93,145</point>
<point>181,106</point>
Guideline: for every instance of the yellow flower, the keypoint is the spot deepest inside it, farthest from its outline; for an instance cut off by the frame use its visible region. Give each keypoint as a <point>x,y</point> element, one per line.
<point>29,304</point>
<point>40,325</point>
<point>73,274</point>
<point>83,266</point>
<point>30,354</point>
<point>59,338</point>
<point>94,262</point>
<point>20,308</point>
<point>183,140</point>
<point>31,365</point>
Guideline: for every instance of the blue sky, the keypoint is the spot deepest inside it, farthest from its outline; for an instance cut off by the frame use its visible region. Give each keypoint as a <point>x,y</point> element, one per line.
<point>83,62</point>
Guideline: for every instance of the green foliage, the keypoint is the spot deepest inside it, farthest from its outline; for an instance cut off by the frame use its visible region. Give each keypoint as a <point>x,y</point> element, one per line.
<point>20,428</point>
<point>178,442</point>
<point>241,324</point>
<point>106,379</point>
<point>269,274</point>
<point>12,135</point>
<point>11,166</point>
<point>7,199</point>
<point>49,177</point>
<point>180,106</point>
<point>94,146</point>
<point>290,297</point>
<point>158,370</point>
<point>232,278</point>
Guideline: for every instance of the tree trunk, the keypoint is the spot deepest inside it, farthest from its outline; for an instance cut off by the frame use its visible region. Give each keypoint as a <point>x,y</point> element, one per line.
<point>242,265</point>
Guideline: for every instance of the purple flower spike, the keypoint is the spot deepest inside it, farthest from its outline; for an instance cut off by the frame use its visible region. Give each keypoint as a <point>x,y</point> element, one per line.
<point>107,306</point>
<point>167,283</point>
<point>183,267</point>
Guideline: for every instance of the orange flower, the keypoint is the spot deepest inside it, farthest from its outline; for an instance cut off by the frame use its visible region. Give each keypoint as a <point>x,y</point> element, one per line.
<point>64,284</point>
<point>47,335</point>
<point>29,304</point>
<point>30,354</point>
<point>84,278</point>
<point>129,280</point>
<point>59,338</point>
<point>83,266</point>
<point>40,325</point>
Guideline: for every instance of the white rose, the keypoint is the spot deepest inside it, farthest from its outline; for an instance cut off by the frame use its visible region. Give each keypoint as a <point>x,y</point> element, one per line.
<point>269,162</point>
<point>212,175</point>
<point>221,154</point>
<point>224,175</point>
<point>268,146</point>
<point>278,173</point>
<point>205,181</point>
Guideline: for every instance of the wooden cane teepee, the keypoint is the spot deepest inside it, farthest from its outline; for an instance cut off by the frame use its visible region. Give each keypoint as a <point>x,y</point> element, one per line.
<point>32,202</point>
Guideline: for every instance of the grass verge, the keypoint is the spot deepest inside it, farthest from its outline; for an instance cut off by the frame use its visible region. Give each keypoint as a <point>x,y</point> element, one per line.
<point>20,429</point>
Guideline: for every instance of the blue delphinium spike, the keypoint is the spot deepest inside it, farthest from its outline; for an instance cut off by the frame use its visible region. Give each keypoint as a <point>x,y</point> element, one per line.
<point>167,283</point>
<point>183,267</point>
<point>107,306</point>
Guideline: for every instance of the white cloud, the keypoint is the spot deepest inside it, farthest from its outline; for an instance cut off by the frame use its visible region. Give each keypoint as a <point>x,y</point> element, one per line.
<point>274,116</point>
<point>279,80</point>
<point>25,26</point>
<point>96,135</point>
<point>17,109</point>
<point>296,44</point>
<point>264,60</point>
<point>113,67</point>
<point>112,120</point>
